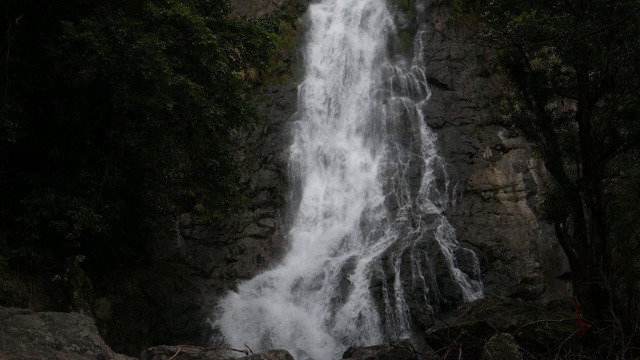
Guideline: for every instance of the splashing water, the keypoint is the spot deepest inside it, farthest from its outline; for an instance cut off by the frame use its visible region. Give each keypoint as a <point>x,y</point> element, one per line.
<point>369,190</point>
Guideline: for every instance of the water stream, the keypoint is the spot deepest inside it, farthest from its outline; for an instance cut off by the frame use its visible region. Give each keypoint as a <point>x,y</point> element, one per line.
<point>369,246</point>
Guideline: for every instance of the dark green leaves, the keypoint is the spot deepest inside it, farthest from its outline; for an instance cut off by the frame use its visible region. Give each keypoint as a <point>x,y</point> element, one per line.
<point>110,110</point>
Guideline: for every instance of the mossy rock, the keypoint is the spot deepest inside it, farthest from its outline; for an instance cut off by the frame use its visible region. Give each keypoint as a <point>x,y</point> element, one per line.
<point>407,7</point>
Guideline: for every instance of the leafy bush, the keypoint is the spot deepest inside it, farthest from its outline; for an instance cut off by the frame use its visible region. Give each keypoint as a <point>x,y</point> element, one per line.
<point>111,110</point>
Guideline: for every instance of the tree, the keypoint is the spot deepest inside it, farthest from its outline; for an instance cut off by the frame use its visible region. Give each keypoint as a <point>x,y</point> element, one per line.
<point>110,109</point>
<point>573,73</point>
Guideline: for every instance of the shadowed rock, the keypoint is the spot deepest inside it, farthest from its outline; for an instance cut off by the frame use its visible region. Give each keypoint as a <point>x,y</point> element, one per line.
<point>28,335</point>
<point>192,353</point>
<point>501,347</point>
<point>396,350</point>
<point>539,331</point>
<point>500,183</point>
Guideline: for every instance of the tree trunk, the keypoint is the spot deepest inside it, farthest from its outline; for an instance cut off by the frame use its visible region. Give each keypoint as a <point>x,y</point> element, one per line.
<point>589,228</point>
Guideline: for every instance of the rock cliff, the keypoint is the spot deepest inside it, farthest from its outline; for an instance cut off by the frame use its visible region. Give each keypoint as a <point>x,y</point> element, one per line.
<point>499,182</point>
<point>169,295</point>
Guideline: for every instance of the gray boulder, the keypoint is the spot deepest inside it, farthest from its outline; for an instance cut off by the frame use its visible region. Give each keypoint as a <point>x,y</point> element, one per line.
<point>28,335</point>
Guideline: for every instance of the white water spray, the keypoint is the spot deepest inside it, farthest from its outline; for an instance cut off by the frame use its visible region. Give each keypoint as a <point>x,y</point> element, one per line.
<point>371,190</point>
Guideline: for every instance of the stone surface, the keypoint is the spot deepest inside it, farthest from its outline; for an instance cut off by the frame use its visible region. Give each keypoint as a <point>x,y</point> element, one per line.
<point>501,347</point>
<point>396,350</point>
<point>540,331</point>
<point>169,296</point>
<point>191,353</point>
<point>499,183</point>
<point>28,335</point>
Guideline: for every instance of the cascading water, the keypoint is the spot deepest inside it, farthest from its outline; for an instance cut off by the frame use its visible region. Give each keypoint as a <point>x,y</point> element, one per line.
<point>368,242</point>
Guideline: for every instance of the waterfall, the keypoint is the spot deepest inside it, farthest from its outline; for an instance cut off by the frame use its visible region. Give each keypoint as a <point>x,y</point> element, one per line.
<point>369,246</point>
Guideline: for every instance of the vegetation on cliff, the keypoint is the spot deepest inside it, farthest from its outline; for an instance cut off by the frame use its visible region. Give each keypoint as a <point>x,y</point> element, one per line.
<point>573,91</point>
<point>112,113</point>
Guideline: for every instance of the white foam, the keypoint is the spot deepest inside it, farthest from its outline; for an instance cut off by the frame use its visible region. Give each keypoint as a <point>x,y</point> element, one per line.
<point>348,156</point>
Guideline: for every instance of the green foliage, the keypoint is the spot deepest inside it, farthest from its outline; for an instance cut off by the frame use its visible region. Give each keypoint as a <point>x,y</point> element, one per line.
<point>110,111</point>
<point>284,22</point>
<point>406,42</point>
<point>408,8</point>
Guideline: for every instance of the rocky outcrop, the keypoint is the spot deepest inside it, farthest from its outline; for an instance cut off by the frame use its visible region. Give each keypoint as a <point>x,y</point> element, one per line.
<point>396,350</point>
<point>191,353</point>
<point>169,296</point>
<point>499,183</point>
<point>504,328</point>
<point>51,336</point>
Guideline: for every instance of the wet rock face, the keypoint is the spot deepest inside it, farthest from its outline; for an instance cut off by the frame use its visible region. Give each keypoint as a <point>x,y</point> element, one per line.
<point>499,183</point>
<point>170,295</point>
<point>49,335</point>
